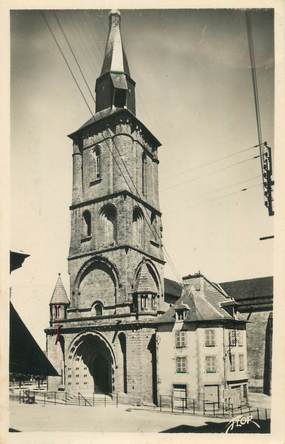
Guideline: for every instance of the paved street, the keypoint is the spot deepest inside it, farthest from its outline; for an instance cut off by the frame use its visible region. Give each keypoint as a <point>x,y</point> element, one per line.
<point>27,418</point>
<point>69,418</point>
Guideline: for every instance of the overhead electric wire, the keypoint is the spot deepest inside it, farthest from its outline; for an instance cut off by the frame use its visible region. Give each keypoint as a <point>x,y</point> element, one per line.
<point>227,195</point>
<point>65,59</point>
<point>255,87</point>
<point>242,182</point>
<point>152,228</point>
<point>235,192</point>
<point>220,159</point>
<point>92,114</point>
<point>211,173</point>
<point>74,56</point>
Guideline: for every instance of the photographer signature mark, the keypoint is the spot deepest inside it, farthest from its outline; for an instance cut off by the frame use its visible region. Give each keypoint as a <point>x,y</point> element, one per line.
<point>240,421</point>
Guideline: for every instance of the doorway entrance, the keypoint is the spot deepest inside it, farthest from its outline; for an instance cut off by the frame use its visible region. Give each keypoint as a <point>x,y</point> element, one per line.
<point>90,366</point>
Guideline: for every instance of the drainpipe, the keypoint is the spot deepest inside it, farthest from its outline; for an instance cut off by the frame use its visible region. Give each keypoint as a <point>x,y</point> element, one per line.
<point>224,359</point>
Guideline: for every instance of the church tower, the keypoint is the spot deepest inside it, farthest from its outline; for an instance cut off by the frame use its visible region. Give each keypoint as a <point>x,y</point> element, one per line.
<point>115,258</point>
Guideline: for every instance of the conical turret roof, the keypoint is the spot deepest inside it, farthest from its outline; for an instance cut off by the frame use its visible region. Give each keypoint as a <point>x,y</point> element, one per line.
<point>145,282</point>
<point>115,59</point>
<point>59,295</point>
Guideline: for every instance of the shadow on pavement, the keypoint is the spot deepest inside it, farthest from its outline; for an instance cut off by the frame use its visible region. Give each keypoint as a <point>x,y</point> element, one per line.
<point>13,430</point>
<point>213,427</point>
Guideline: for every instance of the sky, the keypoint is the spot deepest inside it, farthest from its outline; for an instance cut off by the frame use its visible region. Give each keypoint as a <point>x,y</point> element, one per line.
<point>193,91</point>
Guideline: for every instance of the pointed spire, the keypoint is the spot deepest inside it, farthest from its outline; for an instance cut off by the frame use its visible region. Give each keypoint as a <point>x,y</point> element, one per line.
<point>59,295</point>
<point>115,59</point>
<point>114,87</point>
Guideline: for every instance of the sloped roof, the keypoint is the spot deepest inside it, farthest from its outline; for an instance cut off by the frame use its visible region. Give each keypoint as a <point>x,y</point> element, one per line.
<point>16,259</point>
<point>241,290</point>
<point>105,113</point>
<point>26,357</point>
<point>204,305</point>
<point>172,288</point>
<point>250,288</point>
<point>59,295</point>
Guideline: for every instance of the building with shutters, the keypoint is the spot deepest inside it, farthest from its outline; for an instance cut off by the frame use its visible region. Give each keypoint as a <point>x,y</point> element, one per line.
<point>202,351</point>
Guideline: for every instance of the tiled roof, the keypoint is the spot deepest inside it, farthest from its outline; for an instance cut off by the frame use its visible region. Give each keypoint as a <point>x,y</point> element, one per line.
<point>59,295</point>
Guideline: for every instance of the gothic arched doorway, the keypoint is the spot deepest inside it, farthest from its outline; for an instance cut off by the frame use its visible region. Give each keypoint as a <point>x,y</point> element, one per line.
<point>90,366</point>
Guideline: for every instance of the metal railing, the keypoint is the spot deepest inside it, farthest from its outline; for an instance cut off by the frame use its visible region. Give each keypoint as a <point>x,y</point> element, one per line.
<point>32,397</point>
<point>191,406</point>
<point>165,403</point>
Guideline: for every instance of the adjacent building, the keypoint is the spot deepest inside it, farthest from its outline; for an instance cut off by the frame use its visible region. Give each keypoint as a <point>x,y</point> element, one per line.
<point>255,305</point>
<point>202,346</point>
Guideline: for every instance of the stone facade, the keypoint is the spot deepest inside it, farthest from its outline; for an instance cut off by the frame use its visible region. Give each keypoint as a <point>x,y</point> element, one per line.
<point>115,332</point>
<point>255,304</point>
<point>104,340</point>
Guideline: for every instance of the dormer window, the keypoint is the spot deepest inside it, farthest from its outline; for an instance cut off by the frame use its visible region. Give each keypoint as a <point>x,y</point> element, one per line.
<point>180,315</point>
<point>181,312</point>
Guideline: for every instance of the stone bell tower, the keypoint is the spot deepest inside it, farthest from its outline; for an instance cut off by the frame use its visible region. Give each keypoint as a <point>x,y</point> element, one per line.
<point>116,221</point>
<point>115,258</point>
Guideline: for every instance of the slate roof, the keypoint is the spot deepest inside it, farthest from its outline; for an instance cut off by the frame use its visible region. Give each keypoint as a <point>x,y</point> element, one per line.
<point>115,59</point>
<point>172,288</point>
<point>256,288</point>
<point>256,291</point>
<point>204,305</point>
<point>59,295</point>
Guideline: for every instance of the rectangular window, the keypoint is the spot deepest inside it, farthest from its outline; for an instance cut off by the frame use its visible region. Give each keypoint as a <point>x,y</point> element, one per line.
<point>241,362</point>
<point>180,339</point>
<point>240,337</point>
<point>233,338</point>
<point>211,365</point>
<point>210,338</point>
<point>181,364</point>
<point>232,363</point>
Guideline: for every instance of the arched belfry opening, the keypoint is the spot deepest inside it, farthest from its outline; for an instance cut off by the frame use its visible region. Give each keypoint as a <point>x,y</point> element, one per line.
<point>96,281</point>
<point>108,218</point>
<point>138,219</point>
<point>90,366</point>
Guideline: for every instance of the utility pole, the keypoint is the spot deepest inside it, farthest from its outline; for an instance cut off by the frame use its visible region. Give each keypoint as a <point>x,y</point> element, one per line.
<point>267,178</point>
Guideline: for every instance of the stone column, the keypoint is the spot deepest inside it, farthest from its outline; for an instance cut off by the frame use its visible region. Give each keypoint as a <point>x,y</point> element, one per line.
<point>77,175</point>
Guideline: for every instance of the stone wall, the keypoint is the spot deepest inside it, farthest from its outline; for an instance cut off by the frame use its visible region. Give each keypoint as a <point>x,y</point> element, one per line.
<point>257,350</point>
<point>140,362</point>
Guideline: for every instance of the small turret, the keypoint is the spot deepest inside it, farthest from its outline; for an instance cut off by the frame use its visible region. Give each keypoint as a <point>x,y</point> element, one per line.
<point>59,301</point>
<point>145,294</point>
